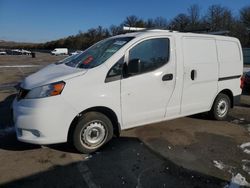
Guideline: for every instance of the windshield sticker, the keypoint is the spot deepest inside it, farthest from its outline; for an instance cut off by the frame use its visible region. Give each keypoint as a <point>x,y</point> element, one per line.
<point>120,42</point>
<point>88,60</point>
<point>110,51</point>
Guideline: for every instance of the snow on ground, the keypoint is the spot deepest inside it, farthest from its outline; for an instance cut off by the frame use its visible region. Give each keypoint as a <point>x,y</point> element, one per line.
<point>248,127</point>
<point>245,147</point>
<point>246,165</point>
<point>238,181</point>
<point>219,164</point>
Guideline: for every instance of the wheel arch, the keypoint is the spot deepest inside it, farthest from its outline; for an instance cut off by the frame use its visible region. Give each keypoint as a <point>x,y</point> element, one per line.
<point>104,110</point>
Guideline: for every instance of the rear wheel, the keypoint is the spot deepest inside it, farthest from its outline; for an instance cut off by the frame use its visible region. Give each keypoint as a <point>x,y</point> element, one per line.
<point>220,107</point>
<point>92,131</point>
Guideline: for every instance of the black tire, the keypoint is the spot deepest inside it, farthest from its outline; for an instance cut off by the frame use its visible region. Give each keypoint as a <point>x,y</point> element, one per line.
<point>221,107</point>
<point>90,126</point>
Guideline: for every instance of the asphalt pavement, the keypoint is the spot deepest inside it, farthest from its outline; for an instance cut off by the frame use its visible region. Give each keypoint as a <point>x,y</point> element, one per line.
<point>124,162</point>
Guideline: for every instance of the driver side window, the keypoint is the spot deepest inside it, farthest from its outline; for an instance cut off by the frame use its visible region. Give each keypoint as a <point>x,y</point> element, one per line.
<point>151,54</point>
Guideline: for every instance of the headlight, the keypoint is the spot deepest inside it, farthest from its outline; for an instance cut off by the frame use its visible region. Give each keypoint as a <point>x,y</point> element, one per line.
<point>49,90</point>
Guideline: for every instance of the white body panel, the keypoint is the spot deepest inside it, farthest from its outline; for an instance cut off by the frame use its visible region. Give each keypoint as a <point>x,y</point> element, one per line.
<point>200,56</point>
<point>136,100</point>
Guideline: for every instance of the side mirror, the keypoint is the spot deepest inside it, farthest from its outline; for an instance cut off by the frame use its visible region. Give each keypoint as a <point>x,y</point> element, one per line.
<point>134,66</point>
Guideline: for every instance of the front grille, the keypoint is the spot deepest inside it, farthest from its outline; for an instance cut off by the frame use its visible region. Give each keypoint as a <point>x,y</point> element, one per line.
<point>22,93</point>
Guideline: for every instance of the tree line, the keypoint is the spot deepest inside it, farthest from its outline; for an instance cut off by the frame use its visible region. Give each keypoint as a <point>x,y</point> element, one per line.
<point>215,18</point>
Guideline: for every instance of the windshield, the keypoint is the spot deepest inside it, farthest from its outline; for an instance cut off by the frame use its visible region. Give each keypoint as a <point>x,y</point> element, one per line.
<point>68,59</point>
<point>98,53</point>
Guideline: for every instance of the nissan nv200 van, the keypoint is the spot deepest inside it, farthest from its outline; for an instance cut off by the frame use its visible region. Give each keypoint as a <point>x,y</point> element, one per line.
<point>127,81</point>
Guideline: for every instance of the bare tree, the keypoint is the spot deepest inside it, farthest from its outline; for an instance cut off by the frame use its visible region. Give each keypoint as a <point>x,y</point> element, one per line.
<point>160,23</point>
<point>133,21</point>
<point>219,18</point>
<point>149,23</point>
<point>180,22</point>
<point>216,18</point>
<point>115,30</point>
<point>194,14</point>
<point>245,16</point>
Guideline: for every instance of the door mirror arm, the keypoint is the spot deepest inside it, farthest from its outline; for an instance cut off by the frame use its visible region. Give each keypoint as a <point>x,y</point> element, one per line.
<point>125,70</point>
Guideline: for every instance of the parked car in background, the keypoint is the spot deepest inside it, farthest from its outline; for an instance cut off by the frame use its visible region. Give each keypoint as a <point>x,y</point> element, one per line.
<point>25,52</point>
<point>76,52</point>
<point>16,52</point>
<point>60,51</point>
<point>3,53</point>
<point>20,52</point>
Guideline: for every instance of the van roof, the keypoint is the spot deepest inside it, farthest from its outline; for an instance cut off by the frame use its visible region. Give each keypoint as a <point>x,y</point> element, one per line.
<point>157,32</point>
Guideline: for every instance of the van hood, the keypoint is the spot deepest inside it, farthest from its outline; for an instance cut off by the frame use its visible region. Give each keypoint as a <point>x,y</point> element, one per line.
<point>51,73</point>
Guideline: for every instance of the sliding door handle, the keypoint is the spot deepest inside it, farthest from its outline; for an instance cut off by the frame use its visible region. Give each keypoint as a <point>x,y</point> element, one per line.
<point>193,74</point>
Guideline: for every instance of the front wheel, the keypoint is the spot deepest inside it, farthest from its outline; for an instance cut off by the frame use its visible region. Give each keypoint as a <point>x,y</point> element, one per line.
<point>220,107</point>
<point>92,131</point>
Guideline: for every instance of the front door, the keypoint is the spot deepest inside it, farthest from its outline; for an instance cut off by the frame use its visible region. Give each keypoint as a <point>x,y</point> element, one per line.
<point>146,92</point>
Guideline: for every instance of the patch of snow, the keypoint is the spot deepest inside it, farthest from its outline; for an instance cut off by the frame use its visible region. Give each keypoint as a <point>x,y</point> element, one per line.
<point>248,128</point>
<point>247,151</point>
<point>244,147</point>
<point>235,121</point>
<point>169,147</point>
<point>88,157</point>
<point>246,169</point>
<point>238,181</point>
<point>246,166</point>
<point>245,161</point>
<point>219,164</point>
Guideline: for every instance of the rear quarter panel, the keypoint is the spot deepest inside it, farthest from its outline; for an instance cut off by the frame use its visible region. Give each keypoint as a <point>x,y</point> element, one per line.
<point>230,60</point>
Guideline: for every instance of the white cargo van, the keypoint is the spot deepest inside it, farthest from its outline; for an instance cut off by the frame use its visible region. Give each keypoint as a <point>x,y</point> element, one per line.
<point>60,51</point>
<point>128,81</point>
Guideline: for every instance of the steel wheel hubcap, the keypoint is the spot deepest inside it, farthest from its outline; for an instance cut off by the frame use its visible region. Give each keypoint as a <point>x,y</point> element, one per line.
<point>94,134</point>
<point>222,108</point>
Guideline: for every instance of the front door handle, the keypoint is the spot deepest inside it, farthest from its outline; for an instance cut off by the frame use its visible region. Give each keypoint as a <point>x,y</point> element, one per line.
<point>167,77</point>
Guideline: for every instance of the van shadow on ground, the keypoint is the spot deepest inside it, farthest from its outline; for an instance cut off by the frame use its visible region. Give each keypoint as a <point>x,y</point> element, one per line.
<point>124,162</point>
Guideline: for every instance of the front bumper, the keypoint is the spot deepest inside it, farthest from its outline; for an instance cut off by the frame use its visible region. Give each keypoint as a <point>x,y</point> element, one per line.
<point>42,121</point>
